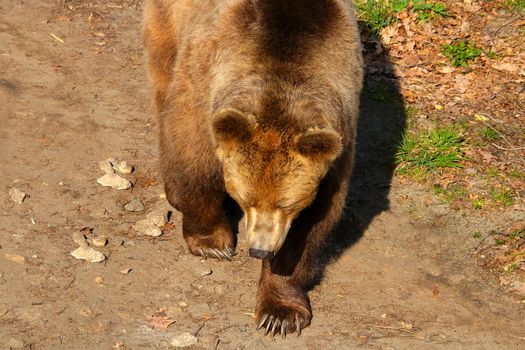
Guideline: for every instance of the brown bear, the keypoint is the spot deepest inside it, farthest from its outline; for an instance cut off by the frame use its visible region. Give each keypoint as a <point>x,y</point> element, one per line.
<point>258,100</point>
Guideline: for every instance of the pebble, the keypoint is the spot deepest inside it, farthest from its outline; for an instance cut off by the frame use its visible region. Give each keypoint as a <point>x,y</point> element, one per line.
<point>17,196</point>
<point>88,253</point>
<point>158,218</point>
<point>135,205</point>
<point>153,231</point>
<point>146,227</point>
<point>99,280</point>
<point>122,167</point>
<point>107,165</point>
<point>184,340</point>
<point>79,239</point>
<point>115,181</point>
<point>99,241</point>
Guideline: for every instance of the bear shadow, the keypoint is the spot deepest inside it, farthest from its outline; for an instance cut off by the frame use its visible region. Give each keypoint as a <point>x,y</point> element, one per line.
<point>380,129</point>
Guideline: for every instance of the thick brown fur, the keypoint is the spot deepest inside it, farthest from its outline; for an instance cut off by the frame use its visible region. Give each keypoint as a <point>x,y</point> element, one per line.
<point>258,99</point>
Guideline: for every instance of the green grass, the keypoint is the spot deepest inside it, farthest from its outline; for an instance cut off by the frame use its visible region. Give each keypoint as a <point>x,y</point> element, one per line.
<point>476,234</point>
<point>503,196</point>
<point>423,153</point>
<point>492,173</point>
<point>451,193</point>
<point>517,235</point>
<point>460,52</point>
<point>429,11</point>
<point>378,14</point>
<point>516,4</point>
<point>499,241</point>
<point>512,267</point>
<point>478,203</point>
<point>410,112</point>
<point>489,133</point>
<point>517,174</point>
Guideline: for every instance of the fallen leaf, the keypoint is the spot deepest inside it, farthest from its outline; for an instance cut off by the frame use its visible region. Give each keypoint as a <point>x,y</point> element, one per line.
<point>159,321</point>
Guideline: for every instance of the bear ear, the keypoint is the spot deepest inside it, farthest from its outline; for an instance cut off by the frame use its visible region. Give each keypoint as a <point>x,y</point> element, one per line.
<point>320,143</point>
<point>231,125</point>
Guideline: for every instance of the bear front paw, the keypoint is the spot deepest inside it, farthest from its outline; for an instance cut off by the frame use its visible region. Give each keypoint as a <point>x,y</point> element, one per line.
<point>213,246</point>
<point>284,316</point>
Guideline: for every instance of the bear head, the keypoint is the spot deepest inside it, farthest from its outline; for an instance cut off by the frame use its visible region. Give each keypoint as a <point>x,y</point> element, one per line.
<point>272,172</point>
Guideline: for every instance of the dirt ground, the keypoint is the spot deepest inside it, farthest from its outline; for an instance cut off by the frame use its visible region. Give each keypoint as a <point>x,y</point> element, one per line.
<point>402,271</point>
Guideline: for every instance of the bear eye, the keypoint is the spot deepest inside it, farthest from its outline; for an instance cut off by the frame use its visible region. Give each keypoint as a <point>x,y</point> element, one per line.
<point>286,204</point>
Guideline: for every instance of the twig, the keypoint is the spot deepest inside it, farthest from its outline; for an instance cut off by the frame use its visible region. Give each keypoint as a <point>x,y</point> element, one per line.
<point>512,147</point>
<point>509,149</point>
<point>70,283</point>
<point>199,329</point>
<point>57,38</point>
<point>413,330</point>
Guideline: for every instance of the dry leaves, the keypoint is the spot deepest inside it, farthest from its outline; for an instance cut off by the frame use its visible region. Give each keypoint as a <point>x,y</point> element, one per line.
<point>159,320</point>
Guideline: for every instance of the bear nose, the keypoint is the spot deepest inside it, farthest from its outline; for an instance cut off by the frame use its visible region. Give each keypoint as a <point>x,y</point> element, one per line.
<point>261,254</point>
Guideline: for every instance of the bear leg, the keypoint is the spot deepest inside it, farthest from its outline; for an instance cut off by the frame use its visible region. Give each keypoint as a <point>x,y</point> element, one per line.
<point>281,308</point>
<point>205,226</point>
<point>282,301</point>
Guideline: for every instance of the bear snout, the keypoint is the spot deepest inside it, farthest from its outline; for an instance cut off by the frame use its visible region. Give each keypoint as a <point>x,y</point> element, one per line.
<point>266,231</point>
<point>261,254</point>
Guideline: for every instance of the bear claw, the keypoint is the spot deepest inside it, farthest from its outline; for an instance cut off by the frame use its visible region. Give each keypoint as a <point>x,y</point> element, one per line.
<point>274,325</point>
<point>226,254</point>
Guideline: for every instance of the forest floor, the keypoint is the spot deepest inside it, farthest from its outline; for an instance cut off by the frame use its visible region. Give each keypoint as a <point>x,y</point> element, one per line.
<point>429,255</point>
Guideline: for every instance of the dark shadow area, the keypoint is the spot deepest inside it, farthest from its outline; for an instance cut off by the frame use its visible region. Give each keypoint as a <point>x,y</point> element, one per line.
<point>381,125</point>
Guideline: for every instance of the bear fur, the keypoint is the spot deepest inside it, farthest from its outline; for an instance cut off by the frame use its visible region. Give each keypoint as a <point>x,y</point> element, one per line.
<point>258,100</point>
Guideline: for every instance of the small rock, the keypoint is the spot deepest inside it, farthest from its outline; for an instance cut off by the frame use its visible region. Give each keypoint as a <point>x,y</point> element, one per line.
<point>183,304</point>
<point>115,181</point>
<point>153,231</point>
<point>99,241</point>
<point>99,280</point>
<point>125,271</point>
<point>123,167</point>
<point>134,205</point>
<point>79,239</point>
<point>439,107</point>
<point>89,254</point>
<point>17,196</point>
<point>107,165</point>
<point>146,227</point>
<point>184,340</point>
<point>158,218</point>
<point>16,258</point>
